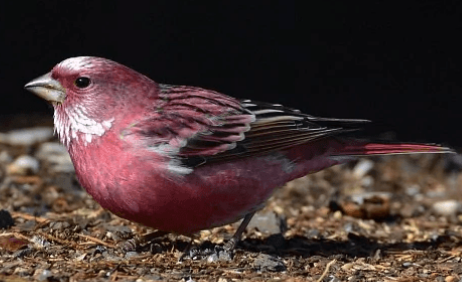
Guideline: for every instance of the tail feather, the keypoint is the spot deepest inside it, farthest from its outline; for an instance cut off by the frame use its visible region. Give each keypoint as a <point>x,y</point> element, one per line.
<point>368,149</point>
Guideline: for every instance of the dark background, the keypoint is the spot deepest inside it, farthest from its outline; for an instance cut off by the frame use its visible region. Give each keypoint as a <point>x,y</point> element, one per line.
<point>395,62</point>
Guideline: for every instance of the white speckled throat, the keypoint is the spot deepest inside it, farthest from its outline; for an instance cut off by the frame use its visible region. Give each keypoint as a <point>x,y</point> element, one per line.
<point>74,124</point>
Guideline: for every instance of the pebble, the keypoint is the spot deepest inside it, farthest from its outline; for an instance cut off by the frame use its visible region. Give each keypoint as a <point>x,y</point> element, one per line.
<point>26,136</point>
<point>225,256</point>
<point>39,242</point>
<point>362,168</point>
<point>5,157</point>
<point>313,234</point>
<point>412,190</point>
<point>129,255</point>
<point>362,198</point>
<point>447,208</point>
<point>348,227</point>
<point>23,165</point>
<point>266,222</point>
<point>372,205</point>
<point>56,155</point>
<point>407,264</point>
<point>264,262</point>
<point>42,274</point>
<point>212,258</point>
<point>6,220</point>
<point>337,215</point>
<point>59,225</point>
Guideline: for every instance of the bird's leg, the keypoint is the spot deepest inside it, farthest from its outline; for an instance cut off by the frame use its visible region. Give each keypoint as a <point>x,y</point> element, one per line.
<point>227,248</point>
<point>231,244</point>
<point>189,250</point>
<point>132,244</point>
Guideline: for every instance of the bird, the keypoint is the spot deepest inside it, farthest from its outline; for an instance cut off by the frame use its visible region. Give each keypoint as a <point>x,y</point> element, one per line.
<point>182,159</point>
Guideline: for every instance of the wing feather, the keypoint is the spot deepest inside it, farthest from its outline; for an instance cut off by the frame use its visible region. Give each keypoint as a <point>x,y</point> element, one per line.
<point>199,126</point>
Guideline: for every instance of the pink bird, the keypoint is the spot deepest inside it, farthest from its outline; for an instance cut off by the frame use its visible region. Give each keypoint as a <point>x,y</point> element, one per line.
<point>182,159</point>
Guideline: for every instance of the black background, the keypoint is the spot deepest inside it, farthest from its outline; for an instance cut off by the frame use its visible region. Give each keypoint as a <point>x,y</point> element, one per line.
<point>395,62</point>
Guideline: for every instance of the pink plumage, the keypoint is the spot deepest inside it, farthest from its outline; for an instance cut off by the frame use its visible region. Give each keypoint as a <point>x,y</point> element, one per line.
<point>182,159</point>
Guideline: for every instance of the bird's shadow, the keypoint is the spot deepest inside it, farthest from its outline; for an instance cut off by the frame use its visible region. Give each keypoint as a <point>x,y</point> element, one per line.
<point>355,246</point>
<point>300,246</point>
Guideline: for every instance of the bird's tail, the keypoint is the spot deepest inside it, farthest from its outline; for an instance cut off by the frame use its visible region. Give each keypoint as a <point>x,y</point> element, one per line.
<point>358,148</point>
<point>341,150</point>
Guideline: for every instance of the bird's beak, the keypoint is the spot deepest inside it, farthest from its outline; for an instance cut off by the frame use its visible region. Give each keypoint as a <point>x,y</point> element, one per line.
<point>47,88</point>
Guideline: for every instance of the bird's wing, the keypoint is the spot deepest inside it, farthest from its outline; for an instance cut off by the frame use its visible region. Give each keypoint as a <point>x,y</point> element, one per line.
<point>199,126</point>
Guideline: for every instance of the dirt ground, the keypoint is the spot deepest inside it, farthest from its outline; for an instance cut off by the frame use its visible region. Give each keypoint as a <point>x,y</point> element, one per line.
<point>393,218</point>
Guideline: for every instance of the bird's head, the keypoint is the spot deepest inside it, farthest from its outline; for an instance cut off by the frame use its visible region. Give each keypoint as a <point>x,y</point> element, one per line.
<point>90,94</point>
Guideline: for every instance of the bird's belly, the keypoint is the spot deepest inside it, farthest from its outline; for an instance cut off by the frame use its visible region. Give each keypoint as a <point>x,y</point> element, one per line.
<point>208,197</point>
<point>142,189</point>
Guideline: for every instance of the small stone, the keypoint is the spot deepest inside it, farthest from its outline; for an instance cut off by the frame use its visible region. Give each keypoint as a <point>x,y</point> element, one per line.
<point>40,242</point>
<point>367,181</point>
<point>374,205</point>
<point>347,266</point>
<point>212,258</point>
<point>53,148</point>
<point>447,208</point>
<point>129,255</point>
<point>5,157</point>
<point>23,165</point>
<point>337,215</point>
<point>56,155</point>
<point>6,220</point>
<point>120,232</point>
<point>313,234</point>
<point>225,256</point>
<point>59,225</point>
<point>348,227</point>
<point>266,222</point>
<point>362,168</point>
<point>26,136</point>
<point>407,264</point>
<point>42,274</point>
<point>264,262</point>
<point>413,190</point>
<point>80,257</point>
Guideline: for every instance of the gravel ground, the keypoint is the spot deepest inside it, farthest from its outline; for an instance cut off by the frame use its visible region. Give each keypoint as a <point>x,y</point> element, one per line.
<point>393,218</point>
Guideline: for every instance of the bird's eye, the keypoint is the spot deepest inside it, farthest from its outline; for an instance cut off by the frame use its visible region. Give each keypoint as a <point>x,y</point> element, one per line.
<point>82,82</point>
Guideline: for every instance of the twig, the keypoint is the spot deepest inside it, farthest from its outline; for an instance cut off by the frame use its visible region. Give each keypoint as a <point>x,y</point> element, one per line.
<point>96,240</point>
<point>326,271</point>
<point>29,217</point>
<point>15,234</point>
<point>60,241</point>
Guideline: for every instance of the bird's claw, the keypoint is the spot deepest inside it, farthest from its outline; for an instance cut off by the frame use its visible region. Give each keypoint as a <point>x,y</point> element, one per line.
<point>230,245</point>
<point>216,253</point>
<point>130,245</point>
<point>133,244</point>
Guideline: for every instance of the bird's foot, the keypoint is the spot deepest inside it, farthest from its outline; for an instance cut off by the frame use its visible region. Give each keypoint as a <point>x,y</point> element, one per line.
<point>230,245</point>
<point>209,254</point>
<point>225,252</point>
<point>134,243</point>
